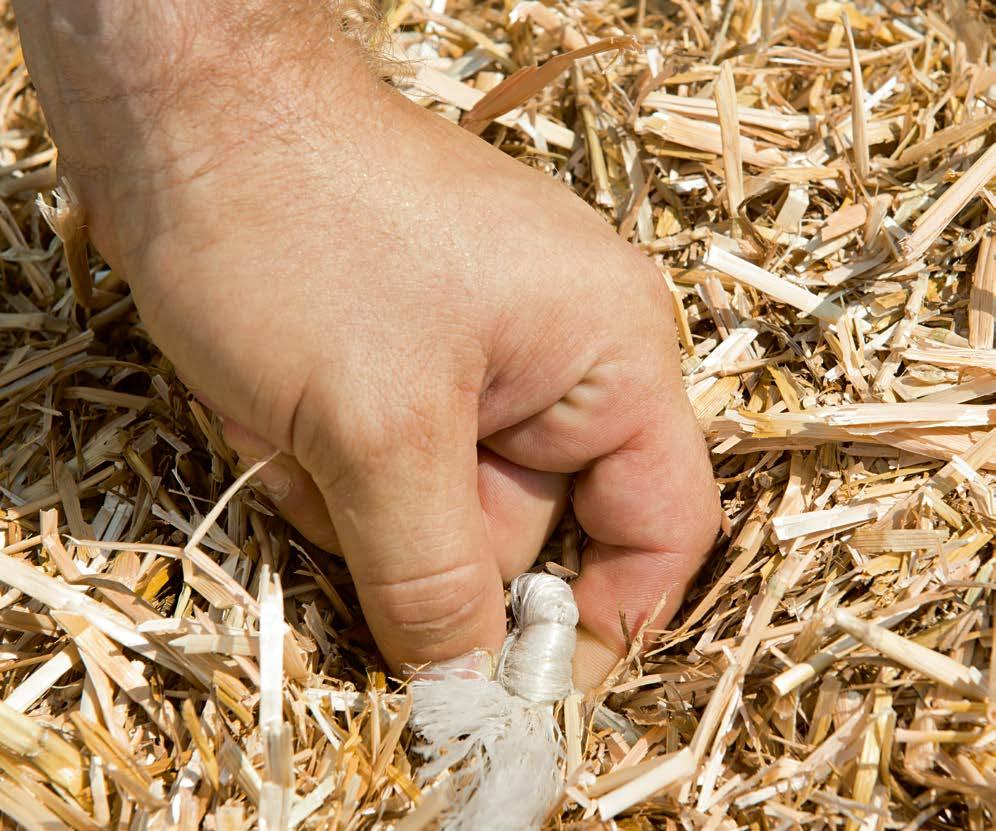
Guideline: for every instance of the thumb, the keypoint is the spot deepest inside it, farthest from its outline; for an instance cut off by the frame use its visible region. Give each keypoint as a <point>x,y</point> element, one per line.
<point>406,510</point>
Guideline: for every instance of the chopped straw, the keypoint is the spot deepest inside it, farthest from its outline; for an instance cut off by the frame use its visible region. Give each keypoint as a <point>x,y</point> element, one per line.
<point>816,183</point>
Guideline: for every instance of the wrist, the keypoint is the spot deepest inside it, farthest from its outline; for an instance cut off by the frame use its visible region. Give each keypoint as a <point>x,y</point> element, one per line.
<point>141,97</point>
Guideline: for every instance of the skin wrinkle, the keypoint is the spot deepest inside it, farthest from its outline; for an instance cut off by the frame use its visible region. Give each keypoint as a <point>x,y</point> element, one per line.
<point>501,411</point>
<point>417,583</point>
<point>261,396</point>
<point>448,610</point>
<point>565,437</point>
<point>305,438</point>
<point>555,452</point>
<point>434,610</point>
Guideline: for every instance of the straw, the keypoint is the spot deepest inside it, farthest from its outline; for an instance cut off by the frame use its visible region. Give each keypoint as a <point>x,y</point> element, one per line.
<point>815,183</point>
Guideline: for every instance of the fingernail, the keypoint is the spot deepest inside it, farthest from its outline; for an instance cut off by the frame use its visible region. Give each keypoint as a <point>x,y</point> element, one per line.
<point>478,664</point>
<point>274,479</point>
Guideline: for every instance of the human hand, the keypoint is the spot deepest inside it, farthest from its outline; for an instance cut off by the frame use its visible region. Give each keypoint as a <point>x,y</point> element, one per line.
<point>436,338</point>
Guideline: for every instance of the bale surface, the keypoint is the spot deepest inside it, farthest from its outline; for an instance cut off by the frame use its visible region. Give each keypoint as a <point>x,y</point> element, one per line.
<point>817,182</point>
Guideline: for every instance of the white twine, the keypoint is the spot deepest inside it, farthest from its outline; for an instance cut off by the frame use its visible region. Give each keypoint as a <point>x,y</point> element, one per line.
<point>498,739</point>
<point>536,661</point>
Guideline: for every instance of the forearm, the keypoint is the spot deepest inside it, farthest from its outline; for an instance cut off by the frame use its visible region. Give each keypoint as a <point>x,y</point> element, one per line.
<point>140,94</point>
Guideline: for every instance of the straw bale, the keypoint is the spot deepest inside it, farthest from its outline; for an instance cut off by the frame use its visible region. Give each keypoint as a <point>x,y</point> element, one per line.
<point>817,182</point>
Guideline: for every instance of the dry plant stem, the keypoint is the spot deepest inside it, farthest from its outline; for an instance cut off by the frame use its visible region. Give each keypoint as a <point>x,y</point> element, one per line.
<point>729,123</point>
<point>36,685</point>
<point>902,336</point>
<point>771,285</point>
<point>940,214</point>
<point>704,136</point>
<point>127,774</point>
<point>665,773</point>
<point>522,85</point>
<point>465,97</point>
<point>982,300</point>
<point>859,130</point>
<point>18,805</point>
<point>593,142</point>
<point>68,220</point>
<point>934,665</point>
<point>43,748</point>
<point>277,791</point>
<point>753,116</point>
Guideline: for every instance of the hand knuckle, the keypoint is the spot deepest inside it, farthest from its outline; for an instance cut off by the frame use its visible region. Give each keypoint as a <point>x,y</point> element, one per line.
<point>351,428</point>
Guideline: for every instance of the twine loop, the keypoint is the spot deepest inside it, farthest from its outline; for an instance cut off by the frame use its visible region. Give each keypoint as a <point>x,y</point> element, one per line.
<point>537,659</point>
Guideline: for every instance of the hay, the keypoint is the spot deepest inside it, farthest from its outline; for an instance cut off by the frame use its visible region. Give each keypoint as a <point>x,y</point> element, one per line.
<point>816,182</point>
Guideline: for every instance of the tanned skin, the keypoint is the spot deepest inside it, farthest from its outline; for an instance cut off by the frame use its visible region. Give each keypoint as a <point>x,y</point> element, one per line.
<point>441,342</point>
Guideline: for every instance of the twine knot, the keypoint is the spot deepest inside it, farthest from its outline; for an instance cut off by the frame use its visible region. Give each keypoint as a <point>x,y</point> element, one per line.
<point>536,661</point>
